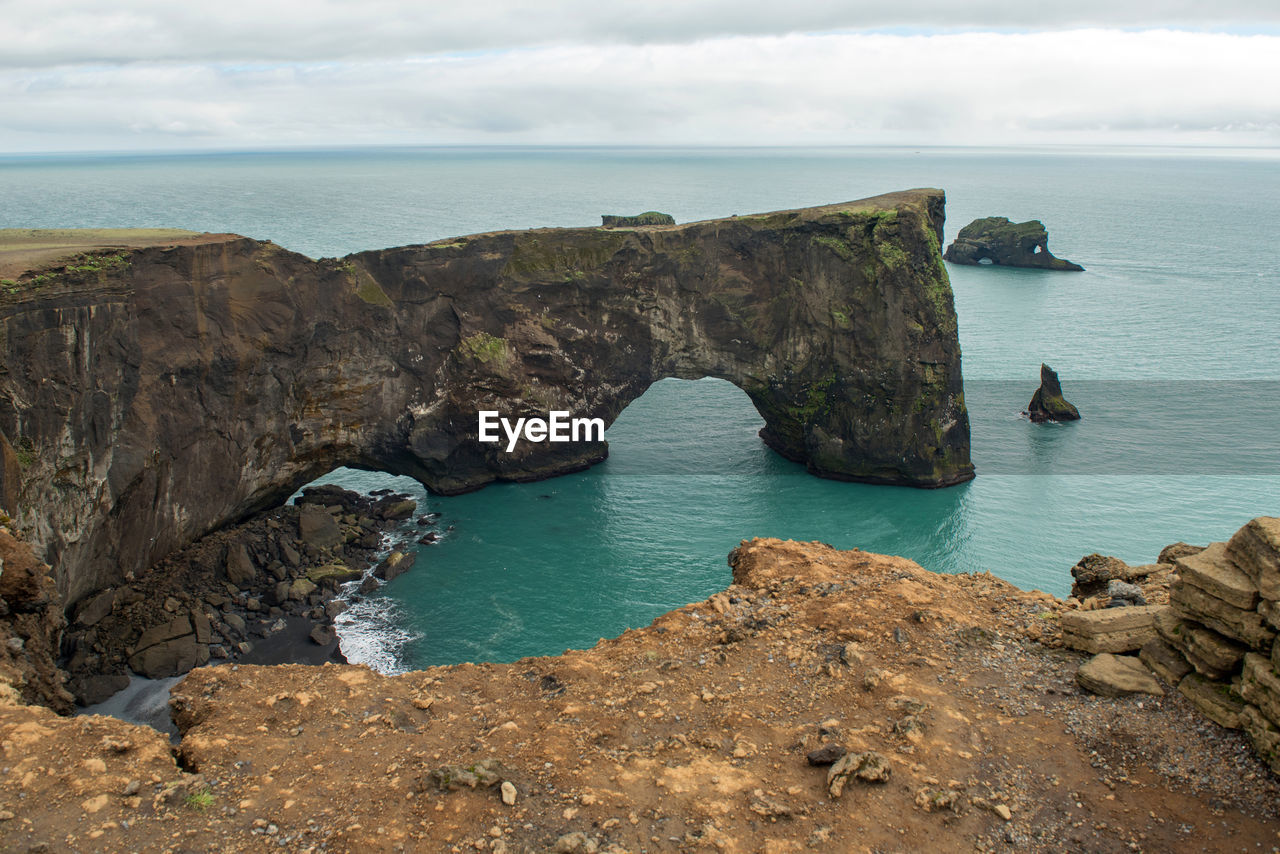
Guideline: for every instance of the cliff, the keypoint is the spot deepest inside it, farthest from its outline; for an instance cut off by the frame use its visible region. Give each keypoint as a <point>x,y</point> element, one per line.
<point>713,729</point>
<point>151,395</point>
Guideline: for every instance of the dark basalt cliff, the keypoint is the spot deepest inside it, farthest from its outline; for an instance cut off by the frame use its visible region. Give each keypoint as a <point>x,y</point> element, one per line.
<point>996,240</point>
<point>150,396</point>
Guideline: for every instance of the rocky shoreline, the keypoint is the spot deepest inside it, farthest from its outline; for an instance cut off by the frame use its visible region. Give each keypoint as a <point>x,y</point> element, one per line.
<point>266,591</point>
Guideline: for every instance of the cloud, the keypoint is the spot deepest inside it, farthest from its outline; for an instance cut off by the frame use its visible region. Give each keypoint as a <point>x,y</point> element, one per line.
<point>44,33</point>
<point>1095,85</point>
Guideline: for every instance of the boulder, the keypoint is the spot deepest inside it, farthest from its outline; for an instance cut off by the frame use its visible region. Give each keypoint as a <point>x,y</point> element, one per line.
<point>1215,700</point>
<point>1270,613</point>
<point>1260,686</point>
<point>1117,676</point>
<point>1192,603</point>
<point>1255,549</point>
<point>323,635</point>
<point>175,628</point>
<point>93,609</point>
<point>200,627</point>
<point>332,575</point>
<point>170,658</point>
<point>1264,735</point>
<point>240,569</point>
<point>1093,571</point>
<point>329,495</point>
<point>996,240</point>
<point>289,555</point>
<point>1109,630</point>
<point>1213,572</point>
<point>1164,660</point>
<point>1123,594</point>
<point>318,528</point>
<point>91,690</point>
<point>1048,404</point>
<point>301,589</point>
<point>1210,653</point>
<point>394,565</point>
<point>393,509</point>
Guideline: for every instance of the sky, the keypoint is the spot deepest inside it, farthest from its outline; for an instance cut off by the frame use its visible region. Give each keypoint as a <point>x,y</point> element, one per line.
<point>88,75</point>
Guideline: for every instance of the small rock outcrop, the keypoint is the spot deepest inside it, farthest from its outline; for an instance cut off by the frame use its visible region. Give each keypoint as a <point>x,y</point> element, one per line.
<point>996,240</point>
<point>1102,581</point>
<point>1048,404</point>
<point>646,218</point>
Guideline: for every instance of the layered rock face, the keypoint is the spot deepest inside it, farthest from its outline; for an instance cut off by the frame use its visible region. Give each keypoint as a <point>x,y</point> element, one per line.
<point>1215,640</point>
<point>150,400</point>
<point>996,240</point>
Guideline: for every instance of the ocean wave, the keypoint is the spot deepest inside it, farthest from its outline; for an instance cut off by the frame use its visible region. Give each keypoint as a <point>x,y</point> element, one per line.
<point>372,631</point>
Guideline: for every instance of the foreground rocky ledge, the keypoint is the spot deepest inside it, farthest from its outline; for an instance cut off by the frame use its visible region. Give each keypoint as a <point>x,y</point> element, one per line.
<point>690,734</point>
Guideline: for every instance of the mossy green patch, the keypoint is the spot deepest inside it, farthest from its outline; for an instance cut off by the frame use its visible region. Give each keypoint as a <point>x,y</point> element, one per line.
<point>817,399</point>
<point>200,800</point>
<point>372,293</point>
<point>84,267</point>
<point>484,347</point>
<point>837,245</point>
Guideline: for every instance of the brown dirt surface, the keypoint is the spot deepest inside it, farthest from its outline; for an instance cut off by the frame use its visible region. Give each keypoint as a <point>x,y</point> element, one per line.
<point>690,734</point>
<point>26,249</point>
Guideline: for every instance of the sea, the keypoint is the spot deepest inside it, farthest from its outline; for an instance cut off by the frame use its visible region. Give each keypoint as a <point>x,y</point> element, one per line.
<point>1169,344</point>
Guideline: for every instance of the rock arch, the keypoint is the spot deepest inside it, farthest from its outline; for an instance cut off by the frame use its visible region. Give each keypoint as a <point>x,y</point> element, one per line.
<point>151,401</point>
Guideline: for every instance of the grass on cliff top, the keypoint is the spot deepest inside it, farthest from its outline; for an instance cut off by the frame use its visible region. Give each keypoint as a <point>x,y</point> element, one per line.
<point>23,249</point>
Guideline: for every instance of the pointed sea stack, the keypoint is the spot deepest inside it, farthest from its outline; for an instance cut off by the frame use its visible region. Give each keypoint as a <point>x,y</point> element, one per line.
<point>1048,404</point>
<point>996,240</point>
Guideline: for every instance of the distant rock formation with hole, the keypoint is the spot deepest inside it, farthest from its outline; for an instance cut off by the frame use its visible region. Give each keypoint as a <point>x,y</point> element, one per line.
<point>996,240</point>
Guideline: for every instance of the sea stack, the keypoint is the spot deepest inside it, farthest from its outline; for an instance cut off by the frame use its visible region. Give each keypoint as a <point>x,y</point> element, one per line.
<point>1048,404</point>
<point>996,240</point>
<point>646,218</point>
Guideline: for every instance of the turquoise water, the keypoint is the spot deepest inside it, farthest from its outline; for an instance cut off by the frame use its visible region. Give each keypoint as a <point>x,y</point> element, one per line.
<point>1168,344</point>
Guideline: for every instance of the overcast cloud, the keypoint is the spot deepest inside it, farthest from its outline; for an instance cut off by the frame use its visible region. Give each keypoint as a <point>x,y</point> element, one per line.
<point>142,74</point>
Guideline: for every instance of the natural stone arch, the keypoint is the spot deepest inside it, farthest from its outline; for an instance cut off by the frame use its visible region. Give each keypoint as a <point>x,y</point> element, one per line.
<point>160,398</point>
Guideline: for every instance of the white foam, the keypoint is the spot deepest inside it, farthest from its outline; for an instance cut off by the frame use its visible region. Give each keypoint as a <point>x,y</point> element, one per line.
<point>372,631</point>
